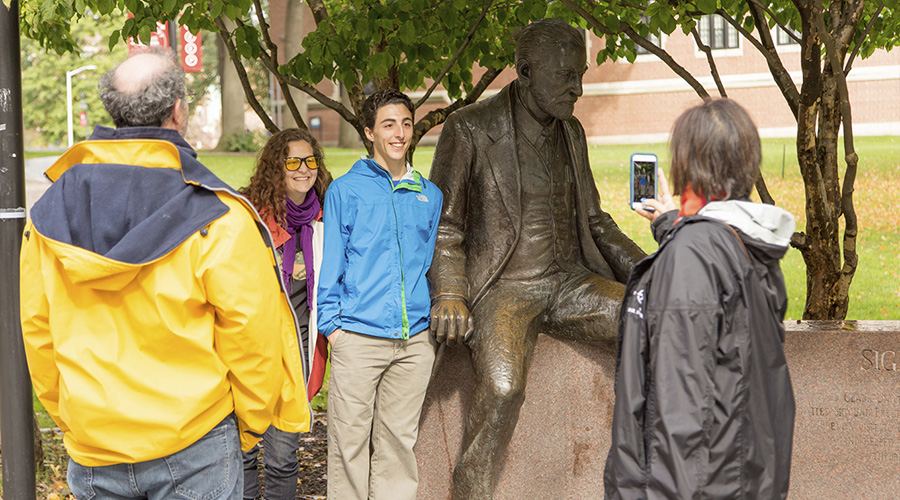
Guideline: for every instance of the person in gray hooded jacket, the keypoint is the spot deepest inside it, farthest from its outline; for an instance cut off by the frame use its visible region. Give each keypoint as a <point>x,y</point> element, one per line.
<point>704,406</point>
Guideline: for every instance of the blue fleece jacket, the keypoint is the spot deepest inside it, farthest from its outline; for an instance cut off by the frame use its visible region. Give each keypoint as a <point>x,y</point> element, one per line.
<point>379,242</point>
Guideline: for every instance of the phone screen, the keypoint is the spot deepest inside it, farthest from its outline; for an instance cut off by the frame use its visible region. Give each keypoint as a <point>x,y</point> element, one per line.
<point>644,181</point>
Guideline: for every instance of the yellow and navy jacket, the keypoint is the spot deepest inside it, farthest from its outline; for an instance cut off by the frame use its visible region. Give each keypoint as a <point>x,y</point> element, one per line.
<point>151,305</point>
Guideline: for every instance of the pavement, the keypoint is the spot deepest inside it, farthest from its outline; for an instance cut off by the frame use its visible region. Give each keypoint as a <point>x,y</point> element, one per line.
<point>35,182</point>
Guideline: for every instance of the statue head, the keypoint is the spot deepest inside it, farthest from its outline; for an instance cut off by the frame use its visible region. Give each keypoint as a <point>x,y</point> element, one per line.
<point>551,59</point>
<point>715,148</point>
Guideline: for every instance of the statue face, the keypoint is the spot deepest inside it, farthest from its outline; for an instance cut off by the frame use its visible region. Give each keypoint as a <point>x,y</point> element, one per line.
<point>555,82</point>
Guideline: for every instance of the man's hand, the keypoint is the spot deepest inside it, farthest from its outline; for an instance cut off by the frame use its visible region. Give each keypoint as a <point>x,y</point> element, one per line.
<point>334,336</point>
<point>662,204</point>
<point>450,320</point>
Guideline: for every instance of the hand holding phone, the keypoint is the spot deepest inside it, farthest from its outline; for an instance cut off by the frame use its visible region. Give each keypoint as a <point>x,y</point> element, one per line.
<point>662,203</point>
<point>643,180</point>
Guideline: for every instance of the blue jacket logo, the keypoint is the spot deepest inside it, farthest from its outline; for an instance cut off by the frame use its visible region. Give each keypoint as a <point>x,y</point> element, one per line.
<point>422,197</point>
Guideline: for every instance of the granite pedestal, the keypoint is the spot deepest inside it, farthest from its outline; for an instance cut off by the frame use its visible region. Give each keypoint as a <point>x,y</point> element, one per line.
<point>559,447</point>
<point>846,378</point>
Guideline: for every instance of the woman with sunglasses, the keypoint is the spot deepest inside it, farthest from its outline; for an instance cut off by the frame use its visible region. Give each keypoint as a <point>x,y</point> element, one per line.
<point>287,188</point>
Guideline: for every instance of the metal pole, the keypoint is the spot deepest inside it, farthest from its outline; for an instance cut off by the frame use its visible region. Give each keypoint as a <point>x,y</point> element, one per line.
<point>16,412</point>
<point>69,75</point>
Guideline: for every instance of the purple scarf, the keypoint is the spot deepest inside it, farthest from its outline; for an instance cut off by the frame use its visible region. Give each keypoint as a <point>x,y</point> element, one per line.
<point>298,218</point>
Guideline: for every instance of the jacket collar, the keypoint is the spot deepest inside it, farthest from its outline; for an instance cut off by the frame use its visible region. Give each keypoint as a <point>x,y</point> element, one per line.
<point>163,134</point>
<point>411,180</point>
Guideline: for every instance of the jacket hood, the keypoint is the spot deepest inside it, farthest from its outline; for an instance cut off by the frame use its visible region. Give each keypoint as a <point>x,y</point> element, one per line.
<point>105,217</point>
<point>766,230</point>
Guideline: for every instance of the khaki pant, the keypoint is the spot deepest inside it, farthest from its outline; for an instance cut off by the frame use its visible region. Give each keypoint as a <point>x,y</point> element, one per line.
<point>375,398</point>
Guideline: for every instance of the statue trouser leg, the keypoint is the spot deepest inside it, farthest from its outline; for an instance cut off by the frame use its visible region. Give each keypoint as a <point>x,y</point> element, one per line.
<point>576,306</point>
<point>375,398</point>
<point>585,307</point>
<point>504,337</point>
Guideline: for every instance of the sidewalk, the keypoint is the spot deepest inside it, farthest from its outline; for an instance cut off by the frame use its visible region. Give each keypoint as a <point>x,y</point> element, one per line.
<point>35,182</point>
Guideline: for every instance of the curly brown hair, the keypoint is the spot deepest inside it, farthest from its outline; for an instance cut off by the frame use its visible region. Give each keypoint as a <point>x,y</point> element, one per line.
<point>266,190</point>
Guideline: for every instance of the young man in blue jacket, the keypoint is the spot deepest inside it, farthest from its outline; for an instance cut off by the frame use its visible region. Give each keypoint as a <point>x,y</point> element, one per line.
<point>381,221</point>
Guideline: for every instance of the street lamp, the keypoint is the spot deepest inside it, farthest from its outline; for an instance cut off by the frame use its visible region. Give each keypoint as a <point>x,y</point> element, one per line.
<point>69,75</point>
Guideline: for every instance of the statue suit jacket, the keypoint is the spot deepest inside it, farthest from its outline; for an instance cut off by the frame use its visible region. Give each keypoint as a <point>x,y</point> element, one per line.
<point>477,168</point>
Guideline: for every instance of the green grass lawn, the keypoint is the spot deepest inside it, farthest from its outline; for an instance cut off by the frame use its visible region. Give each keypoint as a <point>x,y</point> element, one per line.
<point>875,292</point>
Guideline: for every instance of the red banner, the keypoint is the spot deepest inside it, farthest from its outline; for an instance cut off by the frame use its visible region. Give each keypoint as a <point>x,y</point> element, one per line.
<point>191,53</point>
<point>158,38</point>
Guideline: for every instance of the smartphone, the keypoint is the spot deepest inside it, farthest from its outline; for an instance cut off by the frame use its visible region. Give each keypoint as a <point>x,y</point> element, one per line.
<point>643,179</point>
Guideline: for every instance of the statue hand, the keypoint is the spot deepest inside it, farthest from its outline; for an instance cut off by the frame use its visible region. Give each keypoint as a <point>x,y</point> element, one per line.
<point>450,320</point>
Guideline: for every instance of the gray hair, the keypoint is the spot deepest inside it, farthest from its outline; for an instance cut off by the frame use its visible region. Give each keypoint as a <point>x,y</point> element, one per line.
<point>148,103</point>
<point>534,39</point>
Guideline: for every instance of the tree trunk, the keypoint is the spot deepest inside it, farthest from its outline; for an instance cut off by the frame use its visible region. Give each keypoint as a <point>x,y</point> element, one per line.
<point>232,95</point>
<point>293,36</point>
<point>348,137</point>
<point>823,103</point>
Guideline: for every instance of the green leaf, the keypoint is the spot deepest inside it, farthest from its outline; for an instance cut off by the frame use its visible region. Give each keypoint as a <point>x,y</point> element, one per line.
<point>612,23</point>
<point>380,62</point>
<point>315,53</point>
<point>128,27</point>
<point>522,15</point>
<point>114,39</point>
<point>363,28</point>
<point>749,24</point>
<point>707,6</point>
<point>362,50</point>
<point>315,74</point>
<point>215,8</point>
<point>426,52</point>
<point>231,11</point>
<point>447,16</point>
<point>407,33</point>
<point>144,34</point>
<point>539,10</point>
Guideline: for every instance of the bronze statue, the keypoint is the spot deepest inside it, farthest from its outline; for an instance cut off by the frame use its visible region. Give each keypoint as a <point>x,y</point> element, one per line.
<point>523,245</point>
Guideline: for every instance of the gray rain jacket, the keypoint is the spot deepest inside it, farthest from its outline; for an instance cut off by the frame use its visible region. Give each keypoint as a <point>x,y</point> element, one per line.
<point>704,406</point>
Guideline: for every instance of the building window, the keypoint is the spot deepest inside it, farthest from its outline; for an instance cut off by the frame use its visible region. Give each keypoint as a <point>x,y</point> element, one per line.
<point>783,38</point>
<point>654,39</point>
<point>716,33</point>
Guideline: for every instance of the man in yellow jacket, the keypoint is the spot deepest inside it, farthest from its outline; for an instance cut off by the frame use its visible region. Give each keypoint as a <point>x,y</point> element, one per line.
<point>157,333</point>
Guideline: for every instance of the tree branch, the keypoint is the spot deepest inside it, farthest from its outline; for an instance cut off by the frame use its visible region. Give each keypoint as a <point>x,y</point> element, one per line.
<point>242,75</point>
<point>322,98</point>
<point>771,14</point>
<point>781,76</point>
<point>851,227</point>
<point>859,41</point>
<point>271,61</point>
<point>459,52</point>
<point>763,191</point>
<point>643,42</point>
<point>438,116</point>
<point>319,12</point>
<point>712,62</point>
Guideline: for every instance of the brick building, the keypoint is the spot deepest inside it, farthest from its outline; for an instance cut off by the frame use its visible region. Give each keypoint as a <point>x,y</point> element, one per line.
<point>638,102</point>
